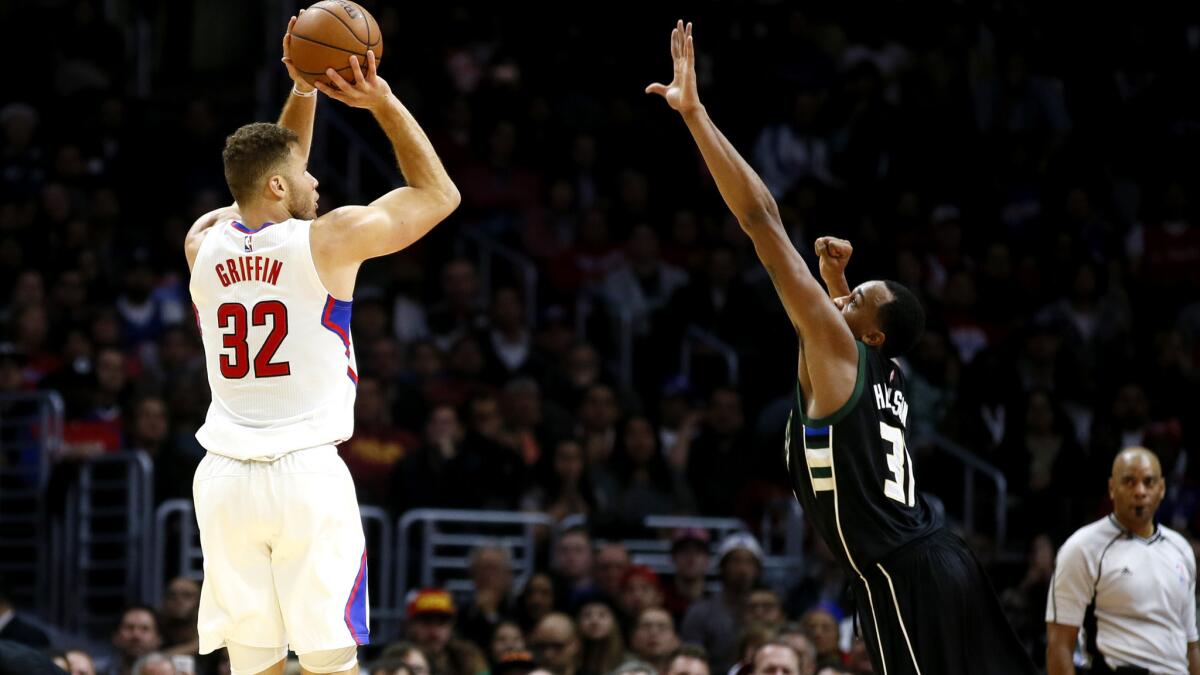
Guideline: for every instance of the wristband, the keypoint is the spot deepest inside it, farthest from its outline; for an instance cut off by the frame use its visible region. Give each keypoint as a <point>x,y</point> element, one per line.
<point>303,94</point>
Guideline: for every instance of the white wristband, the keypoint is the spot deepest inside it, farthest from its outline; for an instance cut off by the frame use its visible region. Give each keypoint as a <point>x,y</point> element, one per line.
<point>305,94</point>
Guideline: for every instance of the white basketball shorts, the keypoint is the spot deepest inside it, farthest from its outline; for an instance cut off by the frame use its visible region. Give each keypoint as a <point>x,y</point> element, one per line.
<point>285,561</point>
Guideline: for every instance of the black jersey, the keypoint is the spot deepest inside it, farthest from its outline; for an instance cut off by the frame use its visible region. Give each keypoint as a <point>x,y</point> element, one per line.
<point>852,471</point>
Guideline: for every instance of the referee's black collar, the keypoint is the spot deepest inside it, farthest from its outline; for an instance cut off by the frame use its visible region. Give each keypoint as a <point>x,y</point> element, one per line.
<point>1156,536</point>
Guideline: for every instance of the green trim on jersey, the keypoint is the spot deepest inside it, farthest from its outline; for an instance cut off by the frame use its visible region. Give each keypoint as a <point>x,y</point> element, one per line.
<point>859,381</point>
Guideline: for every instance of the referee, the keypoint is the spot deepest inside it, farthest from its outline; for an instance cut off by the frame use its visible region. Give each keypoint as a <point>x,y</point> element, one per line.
<point>1128,583</point>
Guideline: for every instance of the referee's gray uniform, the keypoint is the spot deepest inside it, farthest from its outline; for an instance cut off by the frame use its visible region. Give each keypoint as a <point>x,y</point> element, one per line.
<point>1134,599</point>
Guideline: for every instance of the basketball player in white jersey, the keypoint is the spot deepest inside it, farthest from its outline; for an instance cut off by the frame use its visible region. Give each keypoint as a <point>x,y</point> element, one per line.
<point>284,553</point>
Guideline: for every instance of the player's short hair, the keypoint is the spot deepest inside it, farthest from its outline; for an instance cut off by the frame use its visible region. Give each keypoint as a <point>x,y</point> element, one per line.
<point>902,320</point>
<point>251,153</point>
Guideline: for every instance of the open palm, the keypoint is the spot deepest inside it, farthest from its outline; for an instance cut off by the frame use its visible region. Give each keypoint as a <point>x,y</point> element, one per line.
<point>681,94</point>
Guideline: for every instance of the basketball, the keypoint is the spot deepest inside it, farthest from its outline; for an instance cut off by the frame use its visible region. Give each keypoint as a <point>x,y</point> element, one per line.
<point>328,33</point>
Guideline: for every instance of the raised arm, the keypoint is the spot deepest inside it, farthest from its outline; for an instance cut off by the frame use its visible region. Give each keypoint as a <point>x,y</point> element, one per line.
<point>835,255</point>
<point>404,215</point>
<point>301,107</point>
<point>831,353</point>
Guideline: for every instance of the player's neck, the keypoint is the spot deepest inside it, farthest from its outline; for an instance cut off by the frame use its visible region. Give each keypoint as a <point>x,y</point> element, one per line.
<point>256,217</point>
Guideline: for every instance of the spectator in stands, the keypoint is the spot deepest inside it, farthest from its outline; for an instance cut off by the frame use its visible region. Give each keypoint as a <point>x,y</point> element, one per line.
<point>181,604</point>
<point>555,644</point>
<point>689,553</point>
<point>573,563</point>
<point>821,627</point>
<point>443,472</point>
<point>794,635</point>
<point>720,461</point>
<point>528,419</point>
<point>508,347</point>
<point>536,601</point>
<point>506,638</point>
<point>635,667</point>
<point>755,635</point>
<point>174,464</point>
<point>410,655</point>
<point>688,660</point>
<point>491,599</point>
<point>565,487</point>
<point>602,647</point>
<point>646,484</point>
<point>716,622</point>
<point>75,662</point>
<point>138,633</point>
<point>377,446</point>
<point>777,658</point>
<point>644,282</point>
<point>612,560</point>
<point>597,430</point>
<point>654,639</point>
<point>640,590</point>
<point>502,452</point>
<point>764,608</point>
<point>459,310</point>
<point>13,627</point>
<point>154,663</point>
<point>431,627</point>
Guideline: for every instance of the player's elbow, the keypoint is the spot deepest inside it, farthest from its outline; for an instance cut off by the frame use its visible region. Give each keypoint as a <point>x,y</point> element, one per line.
<point>761,217</point>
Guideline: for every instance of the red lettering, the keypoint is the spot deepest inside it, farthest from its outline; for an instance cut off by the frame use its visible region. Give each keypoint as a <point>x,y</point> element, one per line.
<point>245,269</point>
<point>273,275</point>
<point>258,268</point>
<point>233,270</point>
<point>222,276</point>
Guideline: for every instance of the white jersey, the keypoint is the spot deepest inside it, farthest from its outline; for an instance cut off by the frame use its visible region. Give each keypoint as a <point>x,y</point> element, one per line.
<point>1134,599</point>
<point>277,344</point>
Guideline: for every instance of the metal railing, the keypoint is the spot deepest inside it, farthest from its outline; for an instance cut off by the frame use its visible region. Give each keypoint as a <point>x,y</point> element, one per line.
<point>175,520</point>
<point>972,466</point>
<point>489,250</point>
<point>624,322</point>
<point>446,537</point>
<point>31,434</point>
<point>698,336</point>
<point>108,531</point>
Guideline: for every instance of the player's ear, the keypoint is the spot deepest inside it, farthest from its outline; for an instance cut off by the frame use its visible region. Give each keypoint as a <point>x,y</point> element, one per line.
<point>874,338</point>
<point>276,187</point>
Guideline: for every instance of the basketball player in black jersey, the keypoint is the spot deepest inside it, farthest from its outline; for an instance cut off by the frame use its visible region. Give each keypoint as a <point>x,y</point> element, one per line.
<point>924,604</point>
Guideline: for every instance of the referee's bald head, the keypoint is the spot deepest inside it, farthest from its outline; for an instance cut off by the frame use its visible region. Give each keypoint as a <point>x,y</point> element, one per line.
<point>1136,456</point>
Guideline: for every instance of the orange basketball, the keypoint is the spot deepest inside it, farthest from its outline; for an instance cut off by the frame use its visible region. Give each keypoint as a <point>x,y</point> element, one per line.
<point>327,33</point>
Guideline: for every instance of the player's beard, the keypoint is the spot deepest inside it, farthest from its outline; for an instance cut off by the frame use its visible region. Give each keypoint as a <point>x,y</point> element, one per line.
<point>302,207</point>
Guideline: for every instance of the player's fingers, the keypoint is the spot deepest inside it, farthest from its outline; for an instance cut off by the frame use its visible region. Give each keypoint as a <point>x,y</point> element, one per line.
<point>338,81</point>
<point>330,91</point>
<point>689,57</point>
<point>674,43</point>
<point>372,66</point>
<point>656,88</point>
<point>355,70</point>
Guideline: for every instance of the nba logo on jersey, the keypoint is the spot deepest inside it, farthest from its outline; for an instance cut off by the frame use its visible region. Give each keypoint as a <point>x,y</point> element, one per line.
<point>248,244</point>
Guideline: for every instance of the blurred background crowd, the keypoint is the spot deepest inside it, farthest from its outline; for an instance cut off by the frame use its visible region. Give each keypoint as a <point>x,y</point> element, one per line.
<point>1026,169</point>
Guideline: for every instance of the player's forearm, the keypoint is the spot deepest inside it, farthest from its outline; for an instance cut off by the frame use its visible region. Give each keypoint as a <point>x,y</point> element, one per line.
<point>298,114</point>
<point>1193,658</point>
<point>741,188</point>
<point>414,153</point>
<point>836,284</point>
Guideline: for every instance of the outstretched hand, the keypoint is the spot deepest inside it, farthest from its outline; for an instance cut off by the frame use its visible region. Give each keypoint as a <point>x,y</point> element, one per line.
<point>681,94</point>
<point>367,91</point>
<point>302,84</point>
